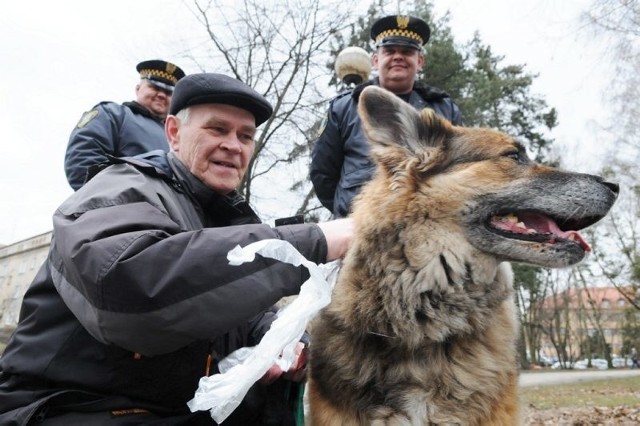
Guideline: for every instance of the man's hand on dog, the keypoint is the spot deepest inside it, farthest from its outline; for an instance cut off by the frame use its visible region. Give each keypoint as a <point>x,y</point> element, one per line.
<point>338,234</point>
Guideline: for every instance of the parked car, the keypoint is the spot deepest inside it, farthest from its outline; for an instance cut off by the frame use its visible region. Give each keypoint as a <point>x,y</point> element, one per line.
<point>621,362</point>
<point>583,364</point>
<point>546,361</point>
<point>580,365</point>
<point>599,363</point>
<point>558,365</point>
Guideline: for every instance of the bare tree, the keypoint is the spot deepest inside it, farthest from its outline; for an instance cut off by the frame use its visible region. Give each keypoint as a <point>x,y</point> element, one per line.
<point>619,22</point>
<point>618,256</point>
<point>530,298</point>
<point>594,320</point>
<point>281,50</point>
<point>557,317</point>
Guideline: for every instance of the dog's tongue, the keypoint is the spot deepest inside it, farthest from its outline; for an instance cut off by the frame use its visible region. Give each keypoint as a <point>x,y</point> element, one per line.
<point>569,235</point>
<point>530,223</point>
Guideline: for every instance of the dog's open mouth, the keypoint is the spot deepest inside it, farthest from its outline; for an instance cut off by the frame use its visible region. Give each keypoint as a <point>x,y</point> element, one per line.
<point>532,226</point>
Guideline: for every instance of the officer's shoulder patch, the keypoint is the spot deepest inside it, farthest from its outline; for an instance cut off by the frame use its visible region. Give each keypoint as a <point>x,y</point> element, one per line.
<point>325,119</point>
<point>323,124</point>
<point>86,118</point>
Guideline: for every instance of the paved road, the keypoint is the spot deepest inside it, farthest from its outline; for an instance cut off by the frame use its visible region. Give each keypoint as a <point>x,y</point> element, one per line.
<point>540,378</point>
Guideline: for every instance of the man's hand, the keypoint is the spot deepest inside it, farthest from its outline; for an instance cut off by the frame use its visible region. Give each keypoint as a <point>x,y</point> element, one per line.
<point>338,234</point>
<point>296,373</point>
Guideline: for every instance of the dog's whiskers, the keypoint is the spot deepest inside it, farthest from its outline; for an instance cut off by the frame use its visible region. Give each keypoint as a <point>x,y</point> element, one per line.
<point>381,335</point>
<point>575,214</point>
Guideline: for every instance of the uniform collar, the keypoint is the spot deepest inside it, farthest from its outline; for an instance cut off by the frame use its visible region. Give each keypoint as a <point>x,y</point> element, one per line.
<point>139,109</point>
<point>428,93</point>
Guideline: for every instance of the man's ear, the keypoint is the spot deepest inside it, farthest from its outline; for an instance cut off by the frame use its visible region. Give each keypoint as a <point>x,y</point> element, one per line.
<point>420,60</point>
<point>171,130</point>
<point>374,60</point>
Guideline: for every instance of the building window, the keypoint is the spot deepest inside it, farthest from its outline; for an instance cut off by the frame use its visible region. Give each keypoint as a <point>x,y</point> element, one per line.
<point>621,302</point>
<point>605,303</point>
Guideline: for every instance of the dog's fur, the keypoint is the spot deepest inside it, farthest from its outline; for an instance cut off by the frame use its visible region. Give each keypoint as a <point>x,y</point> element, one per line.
<point>422,326</point>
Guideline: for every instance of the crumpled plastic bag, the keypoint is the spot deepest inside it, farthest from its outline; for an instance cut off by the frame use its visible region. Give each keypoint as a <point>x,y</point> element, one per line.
<point>222,393</point>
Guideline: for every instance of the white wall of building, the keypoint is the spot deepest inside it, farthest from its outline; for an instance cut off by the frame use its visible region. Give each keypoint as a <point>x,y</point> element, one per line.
<point>19,263</point>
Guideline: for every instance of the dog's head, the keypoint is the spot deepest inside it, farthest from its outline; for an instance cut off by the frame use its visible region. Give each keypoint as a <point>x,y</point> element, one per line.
<point>476,181</point>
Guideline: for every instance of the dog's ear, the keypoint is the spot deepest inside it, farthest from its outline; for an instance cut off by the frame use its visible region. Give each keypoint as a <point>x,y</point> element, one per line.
<point>389,121</point>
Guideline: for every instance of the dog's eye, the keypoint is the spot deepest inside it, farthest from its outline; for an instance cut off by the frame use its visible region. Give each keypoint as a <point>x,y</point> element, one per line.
<point>516,156</point>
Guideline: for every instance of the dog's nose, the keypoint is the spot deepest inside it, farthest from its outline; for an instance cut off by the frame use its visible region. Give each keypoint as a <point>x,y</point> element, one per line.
<point>612,186</point>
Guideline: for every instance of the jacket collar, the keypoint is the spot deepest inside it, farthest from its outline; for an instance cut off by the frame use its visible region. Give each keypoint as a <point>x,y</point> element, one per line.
<point>139,109</point>
<point>231,207</point>
<point>428,93</point>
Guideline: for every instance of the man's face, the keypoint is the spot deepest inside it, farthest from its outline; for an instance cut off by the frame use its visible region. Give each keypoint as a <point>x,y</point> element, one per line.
<point>397,67</point>
<point>215,142</point>
<point>154,98</point>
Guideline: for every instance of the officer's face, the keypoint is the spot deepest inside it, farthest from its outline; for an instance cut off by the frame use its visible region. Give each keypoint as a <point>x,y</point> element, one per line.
<point>154,98</point>
<point>215,142</point>
<point>397,67</point>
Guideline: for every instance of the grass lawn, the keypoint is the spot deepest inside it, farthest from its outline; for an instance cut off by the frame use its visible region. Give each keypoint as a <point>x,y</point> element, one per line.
<point>597,393</point>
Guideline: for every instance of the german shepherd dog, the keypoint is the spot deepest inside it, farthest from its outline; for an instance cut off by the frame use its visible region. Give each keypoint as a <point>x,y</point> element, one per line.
<point>422,325</point>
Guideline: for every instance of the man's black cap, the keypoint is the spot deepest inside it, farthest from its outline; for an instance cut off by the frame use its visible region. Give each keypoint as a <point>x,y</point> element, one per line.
<point>210,88</point>
<point>400,30</point>
<point>160,73</point>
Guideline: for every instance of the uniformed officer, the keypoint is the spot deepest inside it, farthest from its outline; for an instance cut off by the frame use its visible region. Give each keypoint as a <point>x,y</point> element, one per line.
<point>126,129</point>
<point>340,162</point>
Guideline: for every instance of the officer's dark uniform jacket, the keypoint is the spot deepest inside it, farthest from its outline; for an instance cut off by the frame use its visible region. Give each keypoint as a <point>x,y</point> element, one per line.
<point>111,129</point>
<point>340,162</point>
<point>137,294</point>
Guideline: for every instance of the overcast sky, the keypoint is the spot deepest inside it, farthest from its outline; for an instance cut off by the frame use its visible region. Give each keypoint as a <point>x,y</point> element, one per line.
<point>59,58</point>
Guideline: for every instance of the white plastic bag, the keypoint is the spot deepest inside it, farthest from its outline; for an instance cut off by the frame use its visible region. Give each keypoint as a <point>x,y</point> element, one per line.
<point>222,393</point>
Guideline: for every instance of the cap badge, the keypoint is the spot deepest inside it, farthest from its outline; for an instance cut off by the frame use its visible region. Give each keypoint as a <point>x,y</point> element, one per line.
<point>403,21</point>
<point>170,68</point>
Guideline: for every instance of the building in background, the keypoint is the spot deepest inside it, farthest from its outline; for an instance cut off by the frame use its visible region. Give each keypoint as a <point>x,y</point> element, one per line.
<point>581,320</point>
<point>19,263</point>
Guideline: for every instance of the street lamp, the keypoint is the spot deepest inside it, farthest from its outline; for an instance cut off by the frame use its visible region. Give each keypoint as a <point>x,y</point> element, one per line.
<point>353,65</point>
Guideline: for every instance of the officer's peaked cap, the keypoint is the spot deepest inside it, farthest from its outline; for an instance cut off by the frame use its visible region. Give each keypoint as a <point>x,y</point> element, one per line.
<point>400,30</point>
<point>160,73</point>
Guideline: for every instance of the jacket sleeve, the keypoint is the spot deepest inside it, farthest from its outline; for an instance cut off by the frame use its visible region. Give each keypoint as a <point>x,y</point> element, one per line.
<point>135,279</point>
<point>94,136</point>
<point>327,158</point>
<point>456,116</point>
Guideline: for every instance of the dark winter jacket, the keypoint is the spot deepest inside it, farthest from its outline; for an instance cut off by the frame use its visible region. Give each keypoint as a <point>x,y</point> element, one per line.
<point>111,129</point>
<point>137,299</point>
<point>340,162</point>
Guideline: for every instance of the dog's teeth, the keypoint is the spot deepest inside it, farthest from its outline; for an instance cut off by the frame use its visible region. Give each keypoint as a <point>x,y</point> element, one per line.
<point>572,237</point>
<point>511,218</point>
<point>521,225</point>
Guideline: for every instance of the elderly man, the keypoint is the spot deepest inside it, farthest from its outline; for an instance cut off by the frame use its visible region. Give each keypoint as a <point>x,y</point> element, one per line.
<point>340,162</point>
<point>137,300</point>
<point>123,130</point>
